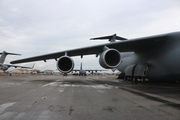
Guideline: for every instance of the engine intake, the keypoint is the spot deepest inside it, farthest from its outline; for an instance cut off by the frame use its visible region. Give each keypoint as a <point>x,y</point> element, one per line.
<point>65,64</point>
<point>110,58</point>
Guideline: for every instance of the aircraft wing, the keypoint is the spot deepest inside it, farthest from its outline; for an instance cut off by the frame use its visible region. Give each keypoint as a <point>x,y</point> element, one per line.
<point>139,44</point>
<point>19,66</point>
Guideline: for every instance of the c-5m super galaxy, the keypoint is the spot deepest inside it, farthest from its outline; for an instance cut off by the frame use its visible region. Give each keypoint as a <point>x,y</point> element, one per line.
<point>154,57</point>
<point>5,67</point>
<point>82,72</point>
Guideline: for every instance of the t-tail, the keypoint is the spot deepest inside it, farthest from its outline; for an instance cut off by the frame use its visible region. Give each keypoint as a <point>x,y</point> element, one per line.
<point>4,54</point>
<point>111,38</point>
<point>81,67</point>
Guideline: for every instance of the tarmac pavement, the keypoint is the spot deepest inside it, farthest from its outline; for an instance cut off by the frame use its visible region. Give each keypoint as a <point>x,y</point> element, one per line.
<point>53,97</point>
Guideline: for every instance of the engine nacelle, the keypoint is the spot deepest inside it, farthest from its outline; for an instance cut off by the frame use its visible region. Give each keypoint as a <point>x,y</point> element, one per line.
<point>65,64</point>
<point>110,58</point>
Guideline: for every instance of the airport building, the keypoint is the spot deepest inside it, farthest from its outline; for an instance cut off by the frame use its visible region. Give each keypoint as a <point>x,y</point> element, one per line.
<point>48,72</point>
<point>20,71</point>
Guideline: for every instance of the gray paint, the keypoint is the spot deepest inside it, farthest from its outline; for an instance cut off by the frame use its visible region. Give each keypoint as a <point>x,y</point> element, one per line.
<point>163,59</point>
<point>5,67</point>
<point>160,52</point>
<point>82,72</point>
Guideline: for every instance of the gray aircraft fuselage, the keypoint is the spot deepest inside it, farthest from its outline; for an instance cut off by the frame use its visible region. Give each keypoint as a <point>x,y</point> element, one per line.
<point>5,67</point>
<point>2,59</point>
<point>82,72</point>
<point>163,61</point>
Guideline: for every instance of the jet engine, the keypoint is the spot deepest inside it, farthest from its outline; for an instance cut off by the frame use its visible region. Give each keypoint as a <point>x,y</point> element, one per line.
<point>65,64</point>
<point>110,58</point>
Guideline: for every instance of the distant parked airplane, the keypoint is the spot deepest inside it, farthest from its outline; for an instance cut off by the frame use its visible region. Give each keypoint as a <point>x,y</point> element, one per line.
<point>5,67</point>
<point>82,72</point>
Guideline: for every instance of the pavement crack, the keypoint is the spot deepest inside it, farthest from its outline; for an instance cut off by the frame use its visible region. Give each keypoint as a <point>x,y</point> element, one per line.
<point>34,102</point>
<point>50,107</point>
<point>109,108</point>
<point>70,110</point>
<point>56,108</point>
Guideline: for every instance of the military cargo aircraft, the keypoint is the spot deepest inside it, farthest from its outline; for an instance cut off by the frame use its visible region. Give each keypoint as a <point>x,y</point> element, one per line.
<point>5,67</point>
<point>153,57</point>
<point>82,72</point>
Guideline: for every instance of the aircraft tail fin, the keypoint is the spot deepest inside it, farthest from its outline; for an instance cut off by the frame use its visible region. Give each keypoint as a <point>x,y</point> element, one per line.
<point>81,66</point>
<point>112,38</point>
<point>33,66</point>
<point>4,54</point>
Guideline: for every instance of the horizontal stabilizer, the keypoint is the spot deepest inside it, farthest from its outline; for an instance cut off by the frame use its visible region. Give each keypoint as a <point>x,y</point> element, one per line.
<point>111,38</point>
<point>16,66</point>
<point>6,53</point>
<point>12,54</point>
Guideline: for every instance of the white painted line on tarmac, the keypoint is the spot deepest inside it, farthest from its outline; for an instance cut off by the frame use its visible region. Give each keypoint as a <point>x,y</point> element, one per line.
<point>62,89</point>
<point>5,106</point>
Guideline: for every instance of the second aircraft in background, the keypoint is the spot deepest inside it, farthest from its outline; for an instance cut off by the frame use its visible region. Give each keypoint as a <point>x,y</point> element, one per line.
<point>5,67</point>
<point>82,72</point>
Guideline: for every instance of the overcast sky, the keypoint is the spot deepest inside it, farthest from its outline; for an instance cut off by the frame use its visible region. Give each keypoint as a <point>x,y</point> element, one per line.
<point>37,27</point>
